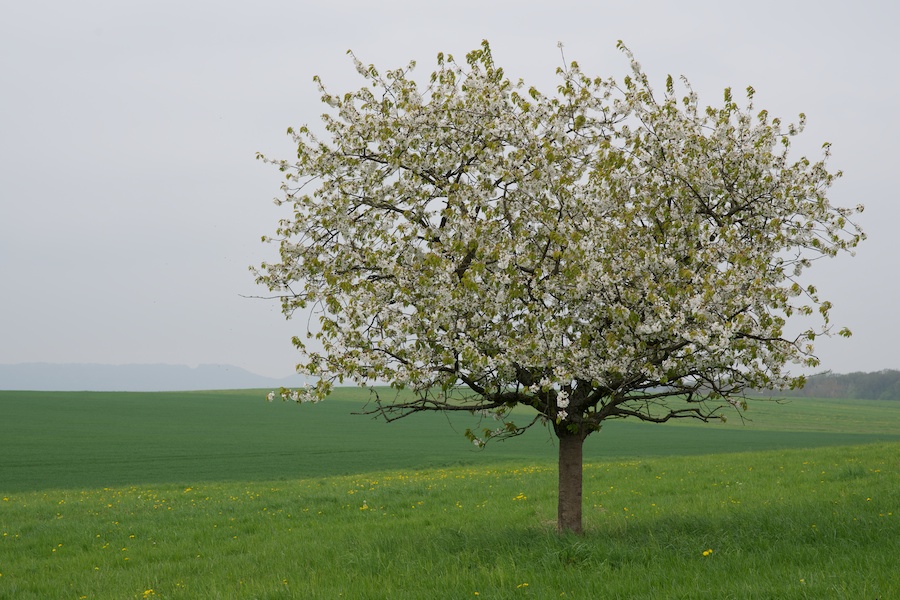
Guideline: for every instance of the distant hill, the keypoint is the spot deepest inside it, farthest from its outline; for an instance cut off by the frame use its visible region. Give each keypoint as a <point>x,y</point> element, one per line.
<point>879,385</point>
<point>134,378</point>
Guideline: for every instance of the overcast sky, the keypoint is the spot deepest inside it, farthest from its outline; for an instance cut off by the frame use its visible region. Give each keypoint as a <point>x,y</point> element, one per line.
<point>131,204</point>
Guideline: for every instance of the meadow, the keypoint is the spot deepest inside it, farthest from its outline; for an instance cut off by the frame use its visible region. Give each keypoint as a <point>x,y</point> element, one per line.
<point>221,495</point>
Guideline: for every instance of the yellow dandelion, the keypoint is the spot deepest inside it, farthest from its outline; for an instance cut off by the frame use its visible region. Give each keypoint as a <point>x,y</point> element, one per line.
<point>707,552</point>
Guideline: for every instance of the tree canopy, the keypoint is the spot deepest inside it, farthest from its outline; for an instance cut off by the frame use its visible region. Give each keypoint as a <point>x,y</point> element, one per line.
<point>605,251</point>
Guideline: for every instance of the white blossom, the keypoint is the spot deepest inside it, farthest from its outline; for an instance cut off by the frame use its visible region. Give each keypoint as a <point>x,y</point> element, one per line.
<point>472,234</point>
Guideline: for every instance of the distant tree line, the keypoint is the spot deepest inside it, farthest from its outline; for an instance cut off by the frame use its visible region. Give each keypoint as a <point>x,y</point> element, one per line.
<point>880,385</point>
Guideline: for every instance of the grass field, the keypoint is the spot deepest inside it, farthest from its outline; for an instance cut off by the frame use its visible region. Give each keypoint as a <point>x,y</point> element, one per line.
<point>67,439</point>
<point>221,495</point>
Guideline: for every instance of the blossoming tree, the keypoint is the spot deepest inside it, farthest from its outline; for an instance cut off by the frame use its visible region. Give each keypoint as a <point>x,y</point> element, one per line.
<point>599,253</point>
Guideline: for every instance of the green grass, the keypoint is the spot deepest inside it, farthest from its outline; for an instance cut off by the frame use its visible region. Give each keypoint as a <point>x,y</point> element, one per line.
<point>221,495</point>
<point>811,523</point>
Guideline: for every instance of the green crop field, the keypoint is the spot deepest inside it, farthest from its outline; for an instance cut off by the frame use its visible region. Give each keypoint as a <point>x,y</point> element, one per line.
<point>92,439</point>
<point>222,495</point>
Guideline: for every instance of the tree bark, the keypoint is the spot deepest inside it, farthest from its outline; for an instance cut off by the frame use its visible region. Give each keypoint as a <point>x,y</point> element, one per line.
<point>570,482</point>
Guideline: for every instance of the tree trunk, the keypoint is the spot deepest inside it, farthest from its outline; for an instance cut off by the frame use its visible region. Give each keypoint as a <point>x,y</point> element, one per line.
<point>570,475</point>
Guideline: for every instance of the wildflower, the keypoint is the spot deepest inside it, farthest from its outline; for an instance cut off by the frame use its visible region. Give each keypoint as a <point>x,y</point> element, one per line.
<point>562,415</point>
<point>707,552</point>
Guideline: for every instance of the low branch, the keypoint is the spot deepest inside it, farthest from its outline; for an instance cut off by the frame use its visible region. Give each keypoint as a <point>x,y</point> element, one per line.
<point>684,413</point>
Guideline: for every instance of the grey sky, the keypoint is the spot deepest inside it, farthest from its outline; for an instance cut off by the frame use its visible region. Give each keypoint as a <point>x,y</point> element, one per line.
<point>131,203</point>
